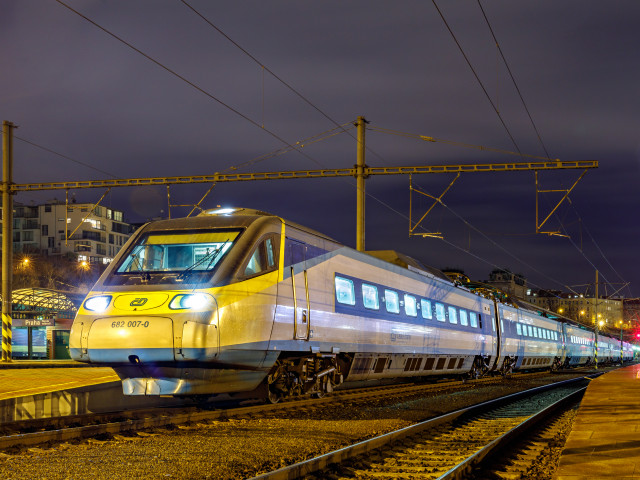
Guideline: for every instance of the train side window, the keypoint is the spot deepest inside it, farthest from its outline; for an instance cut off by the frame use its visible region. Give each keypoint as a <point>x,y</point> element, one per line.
<point>370,297</point>
<point>425,307</point>
<point>262,259</point>
<point>518,329</point>
<point>453,315</point>
<point>410,305</point>
<point>440,315</point>
<point>463,318</point>
<point>473,319</point>
<point>392,301</point>
<point>271,256</point>
<point>524,330</point>
<point>294,252</point>
<point>345,291</point>
<point>530,330</point>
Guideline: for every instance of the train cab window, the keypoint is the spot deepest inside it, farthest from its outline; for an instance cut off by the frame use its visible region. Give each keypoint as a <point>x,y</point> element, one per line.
<point>518,329</point>
<point>392,301</point>
<point>473,319</point>
<point>425,308</point>
<point>453,315</point>
<point>262,260</point>
<point>345,291</point>
<point>463,318</point>
<point>410,305</point>
<point>440,315</point>
<point>370,297</point>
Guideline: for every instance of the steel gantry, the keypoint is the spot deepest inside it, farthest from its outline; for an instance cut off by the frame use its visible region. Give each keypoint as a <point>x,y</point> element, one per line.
<point>360,171</point>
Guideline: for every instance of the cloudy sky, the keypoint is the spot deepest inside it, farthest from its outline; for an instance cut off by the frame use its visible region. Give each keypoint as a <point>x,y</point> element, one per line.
<point>113,113</point>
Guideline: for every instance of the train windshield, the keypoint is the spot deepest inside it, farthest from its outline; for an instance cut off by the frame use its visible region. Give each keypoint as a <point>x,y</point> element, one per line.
<point>182,253</point>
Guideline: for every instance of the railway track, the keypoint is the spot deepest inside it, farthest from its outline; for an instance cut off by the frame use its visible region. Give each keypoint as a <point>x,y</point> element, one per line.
<point>448,447</point>
<point>59,429</point>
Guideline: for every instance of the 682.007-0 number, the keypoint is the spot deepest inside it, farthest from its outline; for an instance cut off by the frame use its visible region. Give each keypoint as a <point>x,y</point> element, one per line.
<point>130,323</point>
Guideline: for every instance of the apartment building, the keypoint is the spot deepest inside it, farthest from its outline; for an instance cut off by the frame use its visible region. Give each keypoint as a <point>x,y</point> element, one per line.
<point>91,233</point>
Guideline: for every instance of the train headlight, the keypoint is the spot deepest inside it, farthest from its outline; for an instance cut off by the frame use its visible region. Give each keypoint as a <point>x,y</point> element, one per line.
<point>191,301</point>
<point>98,304</point>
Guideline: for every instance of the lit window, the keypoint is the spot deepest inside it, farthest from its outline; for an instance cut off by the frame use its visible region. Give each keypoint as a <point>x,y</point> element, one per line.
<point>410,305</point>
<point>530,330</point>
<point>453,315</point>
<point>345,292</point>
<point>463,318</point>
<point>425,307</point>
<point>440,315</point>
<point>392,301</point>
<point>473,318</point>
<point>518,329</point>
<point>370,297</point>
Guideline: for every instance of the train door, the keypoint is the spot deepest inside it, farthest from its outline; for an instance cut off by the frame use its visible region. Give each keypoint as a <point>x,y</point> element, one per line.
<point>297,256</point>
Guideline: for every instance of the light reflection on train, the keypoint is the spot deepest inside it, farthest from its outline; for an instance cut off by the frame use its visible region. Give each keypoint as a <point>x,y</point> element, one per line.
<point>239,300</point>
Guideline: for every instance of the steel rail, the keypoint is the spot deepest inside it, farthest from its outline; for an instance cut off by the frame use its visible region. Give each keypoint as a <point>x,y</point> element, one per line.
<point>299,470</point>
<point>158,417</point>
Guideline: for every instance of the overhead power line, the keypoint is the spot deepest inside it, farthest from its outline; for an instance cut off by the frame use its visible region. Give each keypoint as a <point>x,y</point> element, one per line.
<point>63,156</point>
<point>524,104</point>
<point>475,74</point>
<point>184,79</point>
<point>272,73</point>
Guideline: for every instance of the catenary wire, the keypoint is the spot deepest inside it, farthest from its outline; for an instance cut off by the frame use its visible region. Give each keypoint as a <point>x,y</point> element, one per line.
<point>495,109</point>
<point>515,257</point>
<point>535,128</point>
<point>249,119</point>
<point>271,72</point>
<point>184,79</point>
<point>515,84</point>
<point>63,156</point>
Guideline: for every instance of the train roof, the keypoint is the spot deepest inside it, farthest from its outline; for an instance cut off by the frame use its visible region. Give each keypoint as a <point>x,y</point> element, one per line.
<point>407,262</point>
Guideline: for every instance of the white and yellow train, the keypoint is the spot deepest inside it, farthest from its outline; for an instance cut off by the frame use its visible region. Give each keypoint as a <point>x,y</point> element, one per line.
<point>238,300</point>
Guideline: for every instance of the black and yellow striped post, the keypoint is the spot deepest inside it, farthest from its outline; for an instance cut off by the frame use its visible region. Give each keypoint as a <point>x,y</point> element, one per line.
<point>7,237</point>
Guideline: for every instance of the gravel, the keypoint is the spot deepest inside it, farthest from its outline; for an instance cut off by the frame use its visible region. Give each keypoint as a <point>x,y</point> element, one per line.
<point>240,447</point>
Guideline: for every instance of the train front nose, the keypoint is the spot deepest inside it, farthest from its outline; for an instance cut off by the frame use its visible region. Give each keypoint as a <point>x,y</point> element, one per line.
<point>149,328</point>
<point>138,339</point>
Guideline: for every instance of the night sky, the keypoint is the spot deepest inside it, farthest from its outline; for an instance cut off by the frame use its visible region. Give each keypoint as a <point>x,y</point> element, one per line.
<point>76,90</point>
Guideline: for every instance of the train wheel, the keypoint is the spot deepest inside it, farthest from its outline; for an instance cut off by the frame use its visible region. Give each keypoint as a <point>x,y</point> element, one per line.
<point>477,369</point>
<point>507,367</point>
<point>273,397</point>
<point>274,384</point>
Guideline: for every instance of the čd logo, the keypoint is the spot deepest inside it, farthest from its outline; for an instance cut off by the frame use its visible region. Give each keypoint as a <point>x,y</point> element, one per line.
<point>138,302</point>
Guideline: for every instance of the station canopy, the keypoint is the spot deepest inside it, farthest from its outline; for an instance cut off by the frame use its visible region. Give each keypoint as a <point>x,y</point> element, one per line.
<point>45,300</point>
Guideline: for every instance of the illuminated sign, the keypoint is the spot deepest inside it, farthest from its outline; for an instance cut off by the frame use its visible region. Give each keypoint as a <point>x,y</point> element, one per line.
<point>33,322</point>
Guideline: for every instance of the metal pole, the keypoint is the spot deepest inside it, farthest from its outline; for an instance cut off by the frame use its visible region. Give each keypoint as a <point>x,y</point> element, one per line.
<point>7,237</point>
<point>597,326</point>
<point>621,345</point>
<point>360,178</point>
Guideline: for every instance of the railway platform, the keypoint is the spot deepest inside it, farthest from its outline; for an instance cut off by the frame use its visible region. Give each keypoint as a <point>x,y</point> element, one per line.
<point>22,378</point>
<point>605,439</point>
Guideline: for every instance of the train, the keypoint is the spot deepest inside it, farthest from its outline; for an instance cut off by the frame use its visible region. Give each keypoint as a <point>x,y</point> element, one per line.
<point>239,301</point>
